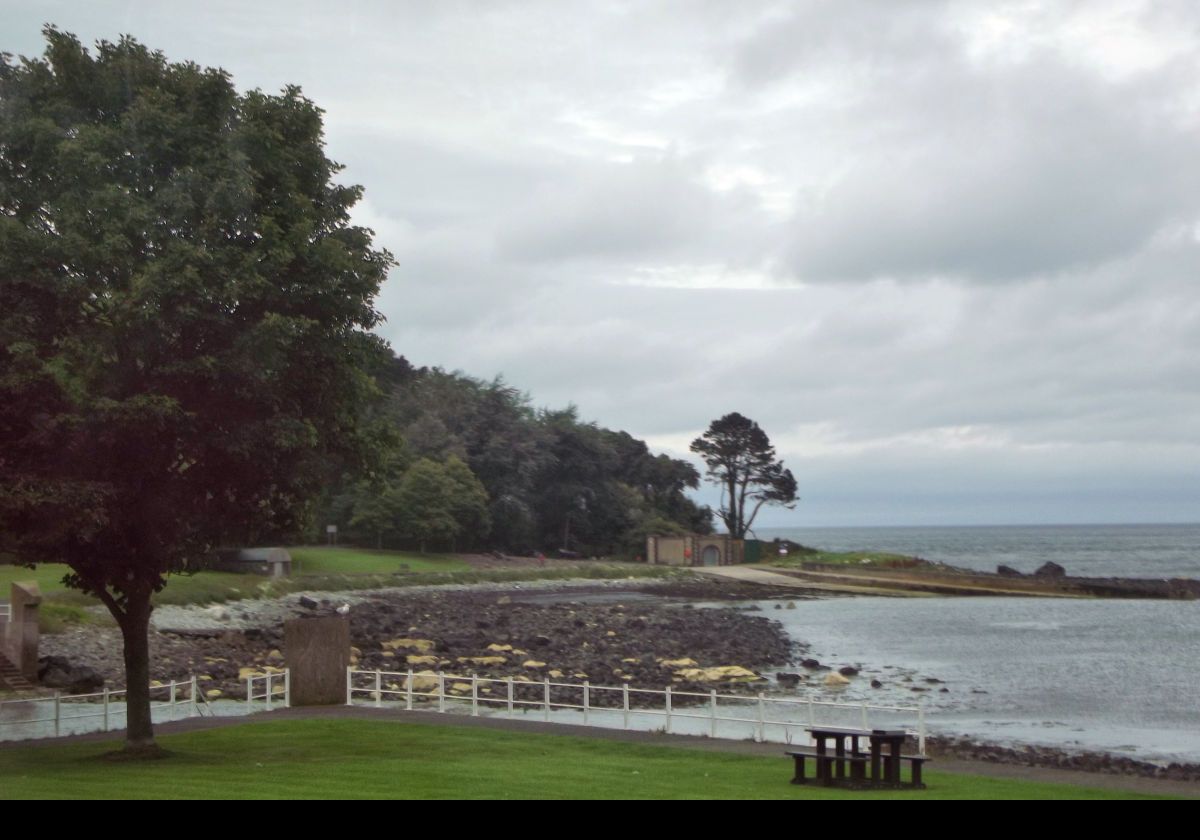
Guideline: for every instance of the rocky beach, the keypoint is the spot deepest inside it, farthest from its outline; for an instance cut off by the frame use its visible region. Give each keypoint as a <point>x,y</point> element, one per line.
<point>644,633</point>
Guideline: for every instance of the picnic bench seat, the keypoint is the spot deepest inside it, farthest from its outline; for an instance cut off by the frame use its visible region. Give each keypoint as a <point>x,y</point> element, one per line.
<point>885,771</point>
<point>825,765</point>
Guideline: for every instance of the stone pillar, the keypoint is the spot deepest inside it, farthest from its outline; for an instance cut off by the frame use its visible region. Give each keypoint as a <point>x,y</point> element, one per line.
<point>317,652</point>
<point>21,640</point>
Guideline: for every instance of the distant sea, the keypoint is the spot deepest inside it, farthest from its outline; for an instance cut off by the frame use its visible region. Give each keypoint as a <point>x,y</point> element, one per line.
<point>1115,675</point>
<point>1153,551</point>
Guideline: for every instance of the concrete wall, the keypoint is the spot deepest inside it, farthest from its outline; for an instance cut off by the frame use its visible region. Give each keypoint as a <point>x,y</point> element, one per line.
<point>317,651</point>
<point>689,550</point>
<point>21,639</point>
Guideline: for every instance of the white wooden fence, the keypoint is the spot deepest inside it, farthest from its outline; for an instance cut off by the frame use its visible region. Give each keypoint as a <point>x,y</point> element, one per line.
<point>104,711</point>
<point>769,718</point>
<point>28,718</point>
<point>276,689</point>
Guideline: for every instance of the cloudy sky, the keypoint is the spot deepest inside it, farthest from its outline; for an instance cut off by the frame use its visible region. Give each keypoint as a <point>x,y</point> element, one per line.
<point>945,253</point>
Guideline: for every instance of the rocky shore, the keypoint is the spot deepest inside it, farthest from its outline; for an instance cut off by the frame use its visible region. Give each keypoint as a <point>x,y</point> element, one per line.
<point>645,633</point>
<point>1042,756</point>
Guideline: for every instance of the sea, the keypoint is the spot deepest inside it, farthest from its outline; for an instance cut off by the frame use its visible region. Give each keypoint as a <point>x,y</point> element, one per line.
<point>1121,676</point>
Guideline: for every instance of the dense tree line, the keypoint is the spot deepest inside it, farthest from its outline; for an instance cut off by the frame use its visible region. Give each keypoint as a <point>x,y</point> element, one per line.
<point>472,464</point>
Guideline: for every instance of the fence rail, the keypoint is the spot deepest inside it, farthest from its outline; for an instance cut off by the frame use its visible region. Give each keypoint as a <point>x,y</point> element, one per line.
<point>5,613</point>
<point>107,705</point>
<point>105,711</point>
<point>270,691</point>
<point>710,707</point>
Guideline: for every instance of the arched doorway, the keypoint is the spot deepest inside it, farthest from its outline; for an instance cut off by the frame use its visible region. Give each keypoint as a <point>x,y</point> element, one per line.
<point>711,556</point>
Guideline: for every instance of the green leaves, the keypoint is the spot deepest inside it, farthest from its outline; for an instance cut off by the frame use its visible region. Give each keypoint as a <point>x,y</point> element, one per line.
<point>741,460</point>
<point>185,314</point>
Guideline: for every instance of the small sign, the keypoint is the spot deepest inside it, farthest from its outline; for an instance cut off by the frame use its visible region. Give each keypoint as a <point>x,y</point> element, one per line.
<point>330,529</point>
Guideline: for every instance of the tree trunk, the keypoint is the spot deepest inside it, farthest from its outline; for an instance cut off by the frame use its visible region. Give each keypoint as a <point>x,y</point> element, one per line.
<point>135,628</point>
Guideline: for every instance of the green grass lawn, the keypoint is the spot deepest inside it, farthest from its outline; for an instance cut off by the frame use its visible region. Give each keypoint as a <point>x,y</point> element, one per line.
<point>309,560</point>
<point>867,559</point>
<point>318,568</point>
<point>355,759</point>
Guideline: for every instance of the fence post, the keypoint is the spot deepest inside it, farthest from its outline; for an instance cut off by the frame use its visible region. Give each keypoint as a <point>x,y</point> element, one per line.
<point>865,725</point>
<point>195,699</point>
<point>349,685</point>
<point>668,726</point>
<point>712,711</point>
<point>378,688</point>
<point>270,689</point>
<point>625,702</point>
<point>249,694</point>
<point>409,693</point>
<point>441,691</point>
<point>812,720</point>
<point>587,690</point>
<point>474,695</point>
<point>105,708</point>
<point>287,688</point>
<point>58,711</point>
<point>509,680</point>
<point>762,716</point>
<point>546,698</point>
<point>171,702</point>
<point>921,726</point>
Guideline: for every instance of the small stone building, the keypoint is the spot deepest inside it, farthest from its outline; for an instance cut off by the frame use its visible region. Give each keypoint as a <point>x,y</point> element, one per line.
<point>276,562</point>
<point>694,550</point>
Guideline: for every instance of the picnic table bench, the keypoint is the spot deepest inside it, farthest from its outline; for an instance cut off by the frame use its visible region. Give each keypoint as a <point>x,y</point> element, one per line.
<point>847,764</point>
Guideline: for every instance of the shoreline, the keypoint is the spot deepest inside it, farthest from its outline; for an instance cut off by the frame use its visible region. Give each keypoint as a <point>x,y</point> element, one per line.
<point>204,625</point>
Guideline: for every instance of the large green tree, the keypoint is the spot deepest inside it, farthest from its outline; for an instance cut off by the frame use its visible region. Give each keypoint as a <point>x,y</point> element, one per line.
<point>741,460</point>
<point>185,321</point>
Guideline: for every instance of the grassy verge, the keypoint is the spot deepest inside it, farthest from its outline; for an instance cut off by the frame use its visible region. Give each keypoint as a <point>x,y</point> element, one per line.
<point>317,569</point>
<point>855,559</point>
<point>319,560</point>
<point>355,759</point>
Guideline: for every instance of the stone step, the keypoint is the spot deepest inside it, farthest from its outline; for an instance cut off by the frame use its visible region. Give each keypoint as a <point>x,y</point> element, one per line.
<point>11,676</point>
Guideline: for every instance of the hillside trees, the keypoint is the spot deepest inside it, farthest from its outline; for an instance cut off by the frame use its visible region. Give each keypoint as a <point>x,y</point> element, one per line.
<point>551,480</point>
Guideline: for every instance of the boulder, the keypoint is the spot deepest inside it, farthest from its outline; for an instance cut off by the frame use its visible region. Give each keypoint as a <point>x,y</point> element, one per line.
<point>810,664</point>
<point>483,660</point>
<point>420,645</point>
<point>835,681</point>
<point>1050,569</point>
<point>1007,571</point>
<point>848,671</point>
<point>423,681</point>
<point>679,663</point>
<point>722,673</point>
<point>58,672</point>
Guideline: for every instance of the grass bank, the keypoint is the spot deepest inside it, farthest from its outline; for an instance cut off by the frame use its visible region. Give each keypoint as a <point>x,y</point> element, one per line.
<point>318,569</point>
<point>855,559</point>
<point>355,759</point>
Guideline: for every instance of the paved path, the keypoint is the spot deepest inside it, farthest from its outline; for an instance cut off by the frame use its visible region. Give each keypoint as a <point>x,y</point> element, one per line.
<point>1107,781</point>
<point>747,574</point>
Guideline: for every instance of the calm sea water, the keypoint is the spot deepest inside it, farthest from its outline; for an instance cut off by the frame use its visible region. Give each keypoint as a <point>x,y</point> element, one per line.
<point>1122,676</point>
<point>1091,550</point>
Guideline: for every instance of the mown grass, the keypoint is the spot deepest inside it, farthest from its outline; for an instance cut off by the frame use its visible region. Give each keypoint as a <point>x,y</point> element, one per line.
<point>866,559</point>
<point>317,560</point>
<point>356,759</point>
<point>318,569</point>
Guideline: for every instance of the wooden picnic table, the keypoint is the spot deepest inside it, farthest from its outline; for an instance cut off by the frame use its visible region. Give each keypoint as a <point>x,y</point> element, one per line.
<point>885,755</point>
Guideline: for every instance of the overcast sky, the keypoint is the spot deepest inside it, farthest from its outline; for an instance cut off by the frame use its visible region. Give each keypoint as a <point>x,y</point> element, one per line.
<point>944,253</point>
